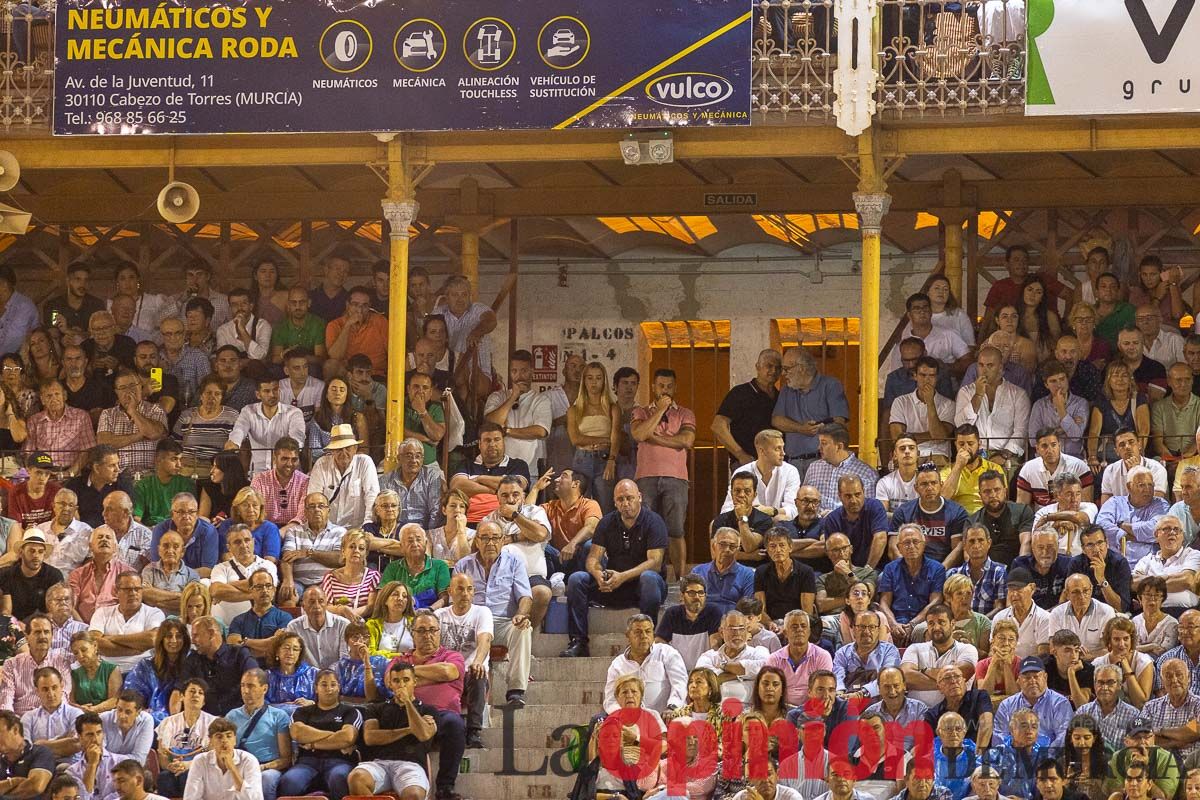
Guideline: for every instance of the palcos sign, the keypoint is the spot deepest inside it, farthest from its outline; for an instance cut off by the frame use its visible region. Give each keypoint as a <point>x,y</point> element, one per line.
<point>1137,56</point>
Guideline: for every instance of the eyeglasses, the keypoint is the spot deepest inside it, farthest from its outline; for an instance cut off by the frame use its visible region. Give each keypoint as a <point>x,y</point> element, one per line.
<point>808,501</point>
<point>317,506</point>
<point>13,369</point>
<point>695,593</point>
<point>426,631</point>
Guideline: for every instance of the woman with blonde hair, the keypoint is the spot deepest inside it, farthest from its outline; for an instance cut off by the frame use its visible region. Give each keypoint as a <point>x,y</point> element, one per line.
<point>594,425</point>
<point>1118,406</point>
<point>629,691</point>
<point>196,602</point>
<point>249,509</point>
<point>390,625</point>
<point>384,528</point>
<point>350,589</point>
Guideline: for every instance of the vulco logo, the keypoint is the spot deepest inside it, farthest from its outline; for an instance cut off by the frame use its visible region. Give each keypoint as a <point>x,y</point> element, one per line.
<point>1159,43</point>
<point>688,89</point>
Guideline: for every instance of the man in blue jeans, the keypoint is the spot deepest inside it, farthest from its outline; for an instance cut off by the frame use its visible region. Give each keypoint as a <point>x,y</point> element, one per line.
<point>623,566</point>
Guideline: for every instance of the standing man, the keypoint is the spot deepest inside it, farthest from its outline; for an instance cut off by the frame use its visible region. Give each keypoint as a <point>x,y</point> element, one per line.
<point>747,409</point>
<point>524,414</point>
<point>269,738</point>
<point>199,284</point>
<point>18,314</point>
<point>468,630</point>
<point>440,672</point>
<point>665,431</point>
<point>71,309</point>
<point>467,323</point>
<point>807,401</point>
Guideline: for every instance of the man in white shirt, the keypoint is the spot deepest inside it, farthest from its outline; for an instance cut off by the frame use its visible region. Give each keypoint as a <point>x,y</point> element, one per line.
<point>922,662</point>
<point>299,388</point>
<point>1179,565</point>
<point>127,629</point>
<point>229,582</point>
<point>1033,481</point>
<point>347,477</point>
<point>529,529</point>
<point>1032,621</point>
<point>73,542</point>
<point>320,630</point>
<point>1158,343</point>
<point>999,409</point>
<point>941,343</point>
<point>223,771</point>
<point>658,665</point>
<point>247,331</point>
<point>523,412</point>
<point>468,629</point>
<point>1069,514</point>
<point>899,486</point>
<point>778,480</point>
<point>264,423</point>
<point>924,415</point>
<point>1083,615</point>
<point>1129,449</point>
<point>735,663</point>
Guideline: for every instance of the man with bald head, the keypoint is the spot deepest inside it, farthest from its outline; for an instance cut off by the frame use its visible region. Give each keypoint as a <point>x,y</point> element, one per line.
<point>635,541</point>
<point>747,409</point>
<point>997,408</point>
<point>1085,380</point>
<point>468,630</point>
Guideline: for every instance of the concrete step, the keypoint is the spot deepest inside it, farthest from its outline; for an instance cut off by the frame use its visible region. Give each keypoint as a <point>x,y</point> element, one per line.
<point>491,760</point>
<point>570,669</point>
<point>547,718</point>
<point>522,736</point>
<point>549,645</point>
<point>550,692</point>
<point>484,786</point>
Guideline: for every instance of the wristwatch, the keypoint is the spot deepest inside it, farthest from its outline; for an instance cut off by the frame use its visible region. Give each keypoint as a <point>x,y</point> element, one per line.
<point>744,518</point>
<point>1104,585</point>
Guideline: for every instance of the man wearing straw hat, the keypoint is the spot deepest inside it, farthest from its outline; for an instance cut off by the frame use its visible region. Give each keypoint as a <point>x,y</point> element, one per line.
<point>347,477</point>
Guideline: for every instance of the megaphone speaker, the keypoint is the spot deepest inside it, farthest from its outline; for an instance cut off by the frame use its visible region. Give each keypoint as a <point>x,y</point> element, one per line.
<point>10,171</point>
<point>178,202</point>
<point>13,220</point>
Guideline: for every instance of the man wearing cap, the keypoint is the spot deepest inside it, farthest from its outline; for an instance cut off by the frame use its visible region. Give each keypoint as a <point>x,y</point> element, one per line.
<point>1033,621</point>
<point>347,477</point>
<point>25,583</point>
<point>32,502</point>
<point>1141,747</point>
<point>1083,615</point>
<point>1052,709</point>
<point>1176,715</point>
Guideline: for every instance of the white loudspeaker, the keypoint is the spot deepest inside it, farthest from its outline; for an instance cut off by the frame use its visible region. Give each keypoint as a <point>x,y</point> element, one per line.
<point>10,171</point>
<point>178,202</point>
<point>13,220</point>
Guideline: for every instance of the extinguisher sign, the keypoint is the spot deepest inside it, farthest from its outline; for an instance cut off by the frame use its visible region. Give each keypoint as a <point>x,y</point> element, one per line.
<point>545,363</point>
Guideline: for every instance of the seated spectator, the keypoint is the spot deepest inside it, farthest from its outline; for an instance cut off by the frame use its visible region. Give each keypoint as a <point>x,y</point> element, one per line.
<point>911,585</point>
<point>84,390</point>
<point>501,585</point>
<point>211,660</point>
<point>961,481</point>
<point>735,663</point>
<point>51,722</point>
<point>1120,406</point>
<point>29,766</point>
<point>629,691</point>
<point>528,531</point>
<point>1067,672</point>
<point>249,510</point>
<point>940,521</point>
<point>322,632</point>
<point>1133,517</point>
<point>966,625</point>
<point>24,584</point>
<point>154,678</point>
<point>237,390</point>
<point>93,765</point>
<point>749,522</point>
<point>1026,745</point>
<point>857,664</point>
<point>385,525</point>
<point>1187,508</point>
<point>60,610</point>
<point>1149,376</point>
<point>1032,621</point>
<point>1121,649</point>
<point>1047,567</point>
<point>572,517</point>
<point>632,574</point>
<point>1157,631</point>
<point>899,486</point>
<point>998,410</point>
<point>426,577</point>
<point>691,626</point>
<point>261,425</point>
<point>63,432</point>
<point>420,486</point>
<point>1051,708</point>
<point>203,430</point>
<point>1175,418</point>
<point>322,759</point>
<point>940,342</point>
<point>246,331</point>
<point>424,415</point>
<point>1082,615</point>
<point>1060,410</point>
<point>1037,474</point>
<point>310,549</point>
<point>301,389</point>
<point>67,538</point>
<point>1151,767</point>
<point>254,628</point>
<point>1109,570</point>
<point>440,682</point>
<point>358,330</point>
<point>822,707</point>
<point>783,583</point>
<point>298,329</point>
<point>1177,564</point>
<point>198,324</point>
<point>397,764</point>
<point>32,502</point>
<point>1112,714</point>
<point>1158,298</point>
<point>953,755</point>
<point>726,581</point>
<point>335,411</point>
<point>799,659</point>
<point>861,519</point>
<point>655,662</point>
<point>1009,523</point>
<point>390,623</point>
<point>133,426</point>
<point>199,284</point>
<point>291,680</point>
<point>163,580</point>
<point>264,736</point>
<point>481,477</point>
<point>837,462</point>
<point>839,629</point>
<point>201,544</point>
<point>99,476</point>
<point>350,588</point>
<point>901,381</point>
<point>360,674</point>
<point>283,487</point>
<point>922,662</point>
<point>1069,514</point>
<point>974,706</point>
<point>894,704</point>
<point>94,583</point>
<point>348,477</point>
<point>129,728</point>
<point>224,769</point>
<point>997,674</point>
<point>1174,714</point>
<point>127,629</point>
<point>17,690</point>
<point>1051,782</point>
<point>834,586</point>
<point>924,415</point>
<point>988,578</point>
<point>1116,475</point>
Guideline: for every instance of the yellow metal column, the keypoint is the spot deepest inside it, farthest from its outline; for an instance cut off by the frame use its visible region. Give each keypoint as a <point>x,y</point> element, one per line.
<point>399,209</point>
<point>952,218</point>
<point>872,203</point>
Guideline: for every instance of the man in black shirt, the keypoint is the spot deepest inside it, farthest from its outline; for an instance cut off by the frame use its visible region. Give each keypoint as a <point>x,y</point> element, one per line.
<point>216,662</point>
<point>748,521</point>
<point>479,479</point>
<point>100,479</point>
<point>784,583</point>
<point>25,768</point>
<point>396,735</point>
<point>72,308</point>
<point>1066,671</point>
<point>1007,522</point>
<point>747,409</point>
<point>24,584</point>
<point>1109,570</point>
<point>689,626</point>
<point>85,390</point>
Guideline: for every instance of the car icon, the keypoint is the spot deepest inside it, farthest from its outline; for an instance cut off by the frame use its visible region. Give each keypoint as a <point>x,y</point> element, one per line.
<point>563,36</point>
<point>419,43</point>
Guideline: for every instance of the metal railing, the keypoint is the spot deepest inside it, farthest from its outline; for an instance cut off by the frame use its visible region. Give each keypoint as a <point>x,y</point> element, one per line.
<point>26,65</point>
<point>794,51</point>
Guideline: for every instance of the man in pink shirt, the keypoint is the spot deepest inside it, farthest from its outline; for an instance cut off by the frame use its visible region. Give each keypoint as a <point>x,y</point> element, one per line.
<point>799,658</point>
<point>95,583</point>
<point>440,672</point>
<point>665,432</point>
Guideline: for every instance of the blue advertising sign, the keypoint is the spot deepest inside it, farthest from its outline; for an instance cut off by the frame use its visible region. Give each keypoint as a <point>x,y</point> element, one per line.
<point>265,66</point>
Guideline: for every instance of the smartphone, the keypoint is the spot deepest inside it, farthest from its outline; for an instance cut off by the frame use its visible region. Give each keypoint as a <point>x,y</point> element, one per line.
<point>55,317</point>
<point>156,379</point>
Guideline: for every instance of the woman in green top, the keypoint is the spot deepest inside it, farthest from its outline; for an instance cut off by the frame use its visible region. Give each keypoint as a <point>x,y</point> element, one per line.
<point>94,683</point>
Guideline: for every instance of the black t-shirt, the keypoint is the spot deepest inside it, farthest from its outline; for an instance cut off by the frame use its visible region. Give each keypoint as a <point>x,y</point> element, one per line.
<point>93,394</point>
<point>1059,684</point>
<point>91,499</point>
<point>627,547</point>
<point>1006,530</point>
<point>28,593</point>
<point>974,703</point>
<point>675,622</point>
<point>391,716</point>
<point>331,720</point>
<point>122,350</point>
<point>1050,585</point>
<point>1149,372</point>
<point>748,409</point>
<point>784,596</point>
<point>759,523</point>
<point>75,319</point>
<point>33,757</point>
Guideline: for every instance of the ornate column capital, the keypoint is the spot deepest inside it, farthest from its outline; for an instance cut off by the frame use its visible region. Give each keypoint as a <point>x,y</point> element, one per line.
<point>872,207</point>
<point>400,214</point>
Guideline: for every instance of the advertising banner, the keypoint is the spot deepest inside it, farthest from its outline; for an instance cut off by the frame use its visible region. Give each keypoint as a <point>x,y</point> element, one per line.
<point>1114,57</point>
<point>261,66</point>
